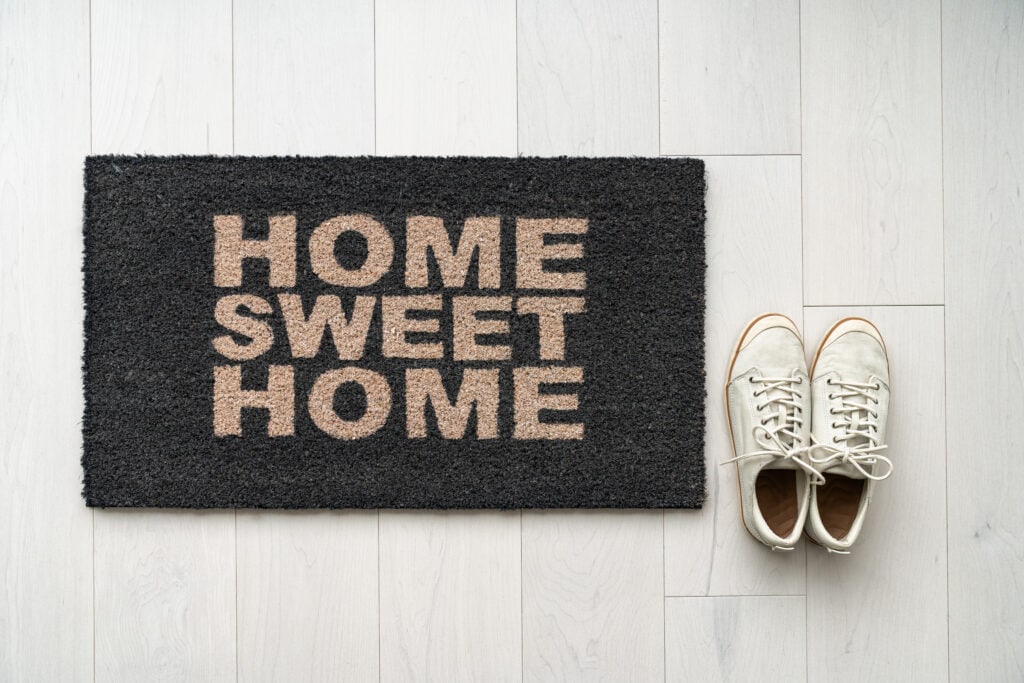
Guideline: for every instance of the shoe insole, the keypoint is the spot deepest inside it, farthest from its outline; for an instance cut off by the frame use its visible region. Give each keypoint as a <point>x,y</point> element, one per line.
<point>777,500</point>
<point>838,502</point>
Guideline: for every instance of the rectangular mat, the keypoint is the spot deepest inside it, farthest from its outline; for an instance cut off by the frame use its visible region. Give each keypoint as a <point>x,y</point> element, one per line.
<point>394,332</point>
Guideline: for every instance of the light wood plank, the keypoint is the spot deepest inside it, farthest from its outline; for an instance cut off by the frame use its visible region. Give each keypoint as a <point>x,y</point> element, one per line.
<point>161,76</point>
<point>730,77</point>
<point>588,77</point>
<point>592,580</point>
<point>304,77</point>
<point>592,596</point>
<point>45,528</point>
<point>983,98</point>
<point>449,581</point>
<point>307,596</point>
<point>872,152</point>
<point>446,77</point>
<point>753,254</point>
<point>165,580</point>
<point>165,596</point>
<point>307,581</point>
<point>735,639</point>
<point>880,613</point>
<point>450,596</point>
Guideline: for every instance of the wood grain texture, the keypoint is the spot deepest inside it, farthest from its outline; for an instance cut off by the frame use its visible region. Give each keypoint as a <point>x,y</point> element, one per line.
<point>730,77</point>
<point>446,77</point>
<point>45,528</point>
<point>165,596</point>
<point>164,580</point>
<point>161,76</point>
<point>735,639</point>
<point>303,77</point>
<point>753,255</point>
<point>588,77</point>
<point>450,596</point>
<point>450,587</point>
<point>592,596</point>
<point>880,613</point>
<point>307,596</point>
<point>307,581</point>
<point>872,152</point>
<point>983,97</point>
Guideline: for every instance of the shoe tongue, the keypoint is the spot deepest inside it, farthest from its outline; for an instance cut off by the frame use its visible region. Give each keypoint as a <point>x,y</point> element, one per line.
<point>857,423</point>
<point>779,411</point>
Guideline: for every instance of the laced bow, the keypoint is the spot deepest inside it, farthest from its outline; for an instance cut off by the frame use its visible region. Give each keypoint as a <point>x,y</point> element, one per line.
<point>860,425</point>
<point>786,422</point>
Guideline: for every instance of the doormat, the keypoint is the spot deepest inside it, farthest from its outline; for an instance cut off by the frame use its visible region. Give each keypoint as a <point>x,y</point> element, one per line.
<point>394,332</point>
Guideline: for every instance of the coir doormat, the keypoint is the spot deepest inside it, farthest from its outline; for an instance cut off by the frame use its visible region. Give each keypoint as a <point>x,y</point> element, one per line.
<point>394,332</point>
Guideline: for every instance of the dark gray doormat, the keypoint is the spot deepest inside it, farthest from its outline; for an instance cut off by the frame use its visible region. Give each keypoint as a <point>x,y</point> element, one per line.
<point>394,332</point>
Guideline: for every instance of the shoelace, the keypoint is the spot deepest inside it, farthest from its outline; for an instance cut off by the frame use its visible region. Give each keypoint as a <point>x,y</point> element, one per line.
<point>859,420</point>
<point>784,423</point>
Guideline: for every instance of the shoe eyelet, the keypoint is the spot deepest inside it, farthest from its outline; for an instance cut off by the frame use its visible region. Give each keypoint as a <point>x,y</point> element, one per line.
<point>751,379</point>
<point>831,397</point>
<point>759,407</point>
<point>829,381</point>
<point>876,387</point>
<point>835,426</point>
<point>832,411</point>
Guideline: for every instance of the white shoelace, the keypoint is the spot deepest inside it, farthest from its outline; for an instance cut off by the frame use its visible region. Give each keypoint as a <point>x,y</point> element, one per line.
<point>779,433</point>
<point>858,446</point>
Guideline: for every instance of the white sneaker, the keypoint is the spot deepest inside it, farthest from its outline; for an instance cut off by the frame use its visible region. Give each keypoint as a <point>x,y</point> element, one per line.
<point>850,399</point>
<point>767,399</point>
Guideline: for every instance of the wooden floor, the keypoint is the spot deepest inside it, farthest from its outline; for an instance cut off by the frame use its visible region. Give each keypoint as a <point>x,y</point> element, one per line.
<point>862,157</point>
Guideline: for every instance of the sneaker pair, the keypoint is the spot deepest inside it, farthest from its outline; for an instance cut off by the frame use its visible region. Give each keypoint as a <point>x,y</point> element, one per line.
<point>807,445</point>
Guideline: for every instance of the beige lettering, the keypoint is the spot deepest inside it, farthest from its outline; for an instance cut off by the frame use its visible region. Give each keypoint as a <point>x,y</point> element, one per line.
<point>480,235</point>
<point>259,331</point>
<point>479,391</point>
<point>378,403</point>
<point>531,252</point>
<point>529,402</point>
<point>229,398</point>
<point>305,335</point>
<point>229,250</point>
<point>380,251</point>
<point>466,327</point>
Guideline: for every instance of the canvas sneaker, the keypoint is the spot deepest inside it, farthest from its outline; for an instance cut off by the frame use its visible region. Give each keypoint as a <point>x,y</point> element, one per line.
<point>850,399</point>
<point>767,400</point>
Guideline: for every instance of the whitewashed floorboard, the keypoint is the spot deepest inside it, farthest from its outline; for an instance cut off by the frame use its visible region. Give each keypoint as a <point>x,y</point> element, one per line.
<point>307,581</point>
<point>446,77</point>
<point>45,528</point>
<point>450,596</point>
<point>753,255</point>
<point>872,152</point>
<point>983,91</point>
<point>880,613</point>
<point>161,77</point>
<point>165,580</point>
<point>450,585</point>
<point>730,77</point>
<point>303,77</point>
<point>165,596</point>
<point>588,77</point>
<point>307,596</point>
<point>592,596</point>
<point>735,639</point>
<point>592,583</point>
